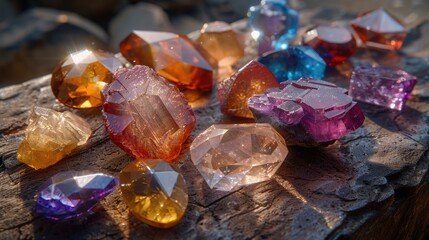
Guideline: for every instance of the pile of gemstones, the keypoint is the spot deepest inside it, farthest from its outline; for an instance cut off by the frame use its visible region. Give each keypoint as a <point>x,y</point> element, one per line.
<point>147,115</point>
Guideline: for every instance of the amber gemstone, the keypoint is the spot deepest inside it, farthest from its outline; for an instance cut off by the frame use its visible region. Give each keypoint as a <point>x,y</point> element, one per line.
<point>155,192</point>
<point>379,29</point>
<point>78,80</point>
<point>50,136</point>
<point>221,42</point>
<point>173,56</point>
<point>252,79</point>
<point>334,44</point>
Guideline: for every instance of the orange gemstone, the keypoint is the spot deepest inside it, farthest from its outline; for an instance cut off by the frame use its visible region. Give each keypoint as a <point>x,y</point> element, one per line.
<point>379,29</point>
<point>234,92</point>
<point>173,56</point>
<point>213,37</point>
<point>78,80</point>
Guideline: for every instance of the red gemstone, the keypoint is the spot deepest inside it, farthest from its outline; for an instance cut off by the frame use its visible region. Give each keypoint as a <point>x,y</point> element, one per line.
<point>145,115</point>
<point>334,44</point>
<point>380,29</point>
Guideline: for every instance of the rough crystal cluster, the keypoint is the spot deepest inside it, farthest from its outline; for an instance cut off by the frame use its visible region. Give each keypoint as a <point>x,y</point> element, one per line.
<point>294,63</point>
<point>233,155</point>
<point>50,136</point>
<point>145,115</point>
<point>222,43</point>
<point>173,56</point>
<point>382,86</point>
<point>333,43</point>
<point>312,110</point>
<point>73,194</point>
<point>78,80</point>
<point>379,29</point>
<point>155,192</point>
<point>273,25</point>
<point>234,92</point>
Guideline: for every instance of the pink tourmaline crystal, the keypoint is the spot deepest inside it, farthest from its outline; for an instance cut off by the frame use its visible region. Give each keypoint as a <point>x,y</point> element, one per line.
<point>381,86</point>
<point>145,115</point>
<point>312,110</point>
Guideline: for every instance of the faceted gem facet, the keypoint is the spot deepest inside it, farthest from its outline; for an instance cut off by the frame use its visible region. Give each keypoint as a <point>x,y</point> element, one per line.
<point>380,29</point>
<point>221,42</point>
<point>145,115</point>
<point>73,194</point>
<point>382,86</point>
<point>312,110</point>
<point>78,80</point>
<point>155,192</point>
<point>273,25</point>
<point>294,63</point>
<point>173,56</point>
<point>233,155</point>
<point>252,79</point>
<point>50,136</point>
<point>334,44</point>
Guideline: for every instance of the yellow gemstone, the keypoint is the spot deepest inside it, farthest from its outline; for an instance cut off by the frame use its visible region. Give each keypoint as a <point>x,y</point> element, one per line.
<point>78,80</point>
<point>155,192</point>
<point>222,42</point>
<point>50,136</point>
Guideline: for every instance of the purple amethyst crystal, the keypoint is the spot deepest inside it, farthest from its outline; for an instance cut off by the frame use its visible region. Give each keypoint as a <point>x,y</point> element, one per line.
<point>312,110</point>
<point>382,86</point>
<point>73,194</point>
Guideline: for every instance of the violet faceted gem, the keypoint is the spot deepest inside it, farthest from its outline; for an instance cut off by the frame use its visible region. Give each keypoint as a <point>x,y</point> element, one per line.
<point>312,110</point>
<point>73,194</point>
<point>382,86</point>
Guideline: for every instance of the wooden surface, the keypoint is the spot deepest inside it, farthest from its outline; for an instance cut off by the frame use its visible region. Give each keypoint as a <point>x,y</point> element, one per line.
<point>370,182</point>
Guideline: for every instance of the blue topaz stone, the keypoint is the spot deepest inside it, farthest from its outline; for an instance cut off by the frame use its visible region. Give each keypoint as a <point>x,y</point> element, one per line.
<point>73,194</point>
<point>294,63</point>
<point>273,25</point>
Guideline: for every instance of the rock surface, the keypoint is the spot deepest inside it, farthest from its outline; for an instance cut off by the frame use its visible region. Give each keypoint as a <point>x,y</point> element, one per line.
<point>379,170</point>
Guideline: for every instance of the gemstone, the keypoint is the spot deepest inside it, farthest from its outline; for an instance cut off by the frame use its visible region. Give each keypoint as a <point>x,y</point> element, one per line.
<point>78,80</point>
<point>173,56</point>
<point>213,37</point>
<point>73,194</point>
<point>312,110</point>
<point>234,155</point>
<point>379,29</point>
<point>334,44</point>
<point>252,79</point>
<point>273,25</point>
<point>294,63</point>
<point>382,86</point>
<point>145,115</point>
<point>155,192</point>
<point>50,136</point>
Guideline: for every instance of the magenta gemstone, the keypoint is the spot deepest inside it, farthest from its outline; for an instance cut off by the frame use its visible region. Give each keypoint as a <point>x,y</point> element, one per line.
<point>73,194</point>
<point>312,110</point>
<point>382,86</point>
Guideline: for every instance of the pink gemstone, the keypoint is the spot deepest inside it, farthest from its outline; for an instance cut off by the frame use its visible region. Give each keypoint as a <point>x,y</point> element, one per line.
<point>312,110</point>
<point>380,29</point>
<point>334,44</point>
<point>381,86</point>
<point>145,115</point>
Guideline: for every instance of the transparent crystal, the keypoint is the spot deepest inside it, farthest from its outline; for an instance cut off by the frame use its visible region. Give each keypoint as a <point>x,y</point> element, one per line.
<point>233,155</point>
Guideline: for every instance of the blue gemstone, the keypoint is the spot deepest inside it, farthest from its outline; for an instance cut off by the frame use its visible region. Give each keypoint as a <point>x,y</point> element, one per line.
<point>273,24</point>
<point>73,194</point>
<point>294,63</point>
